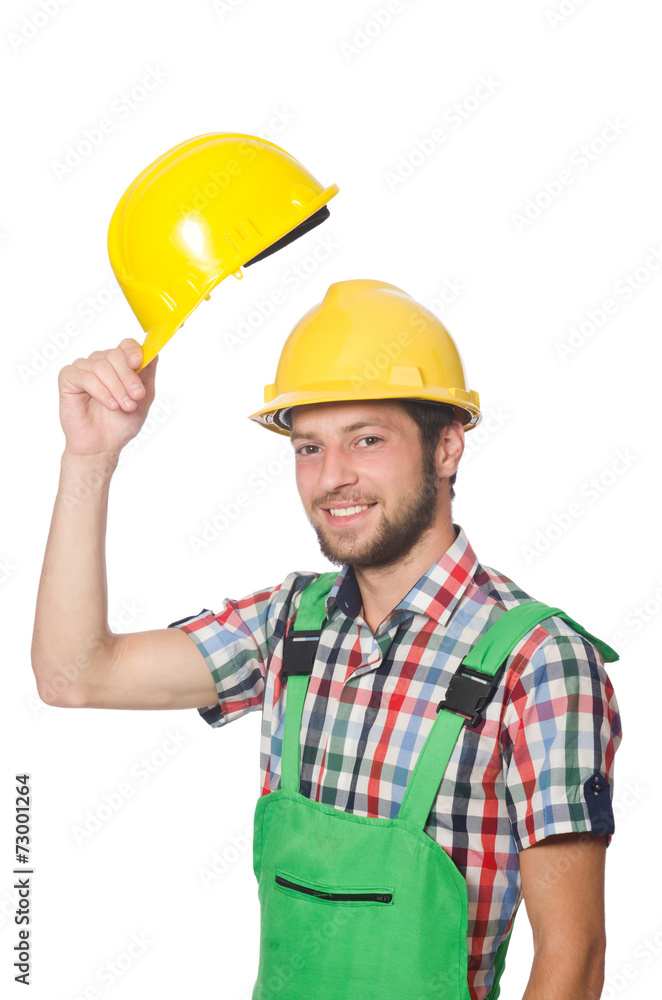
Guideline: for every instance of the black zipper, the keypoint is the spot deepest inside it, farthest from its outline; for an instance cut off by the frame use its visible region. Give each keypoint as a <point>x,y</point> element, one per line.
<point>375,897</point>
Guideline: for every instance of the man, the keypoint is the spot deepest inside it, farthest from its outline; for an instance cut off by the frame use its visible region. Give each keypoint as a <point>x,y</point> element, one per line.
<point>371,390</point>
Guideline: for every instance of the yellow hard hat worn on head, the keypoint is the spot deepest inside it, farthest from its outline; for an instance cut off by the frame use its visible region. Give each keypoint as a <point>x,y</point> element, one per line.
<point>367,340</point>
<point>200,212</point>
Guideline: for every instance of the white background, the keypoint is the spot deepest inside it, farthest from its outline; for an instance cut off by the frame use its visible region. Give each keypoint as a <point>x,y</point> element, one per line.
<point>354,101</point>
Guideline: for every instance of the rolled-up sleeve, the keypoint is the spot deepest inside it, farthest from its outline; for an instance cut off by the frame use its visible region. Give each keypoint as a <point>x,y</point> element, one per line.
<point>236,643</point>
<point>561,731</point>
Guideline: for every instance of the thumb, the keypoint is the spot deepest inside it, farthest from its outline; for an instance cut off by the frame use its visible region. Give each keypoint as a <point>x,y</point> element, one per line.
<point>148,373</point>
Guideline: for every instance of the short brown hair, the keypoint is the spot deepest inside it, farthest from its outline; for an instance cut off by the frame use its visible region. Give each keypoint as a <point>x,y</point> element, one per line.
<point>431,419</point>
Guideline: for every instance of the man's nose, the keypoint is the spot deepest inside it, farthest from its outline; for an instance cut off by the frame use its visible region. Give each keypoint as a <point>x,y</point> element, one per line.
<point>336,470</point>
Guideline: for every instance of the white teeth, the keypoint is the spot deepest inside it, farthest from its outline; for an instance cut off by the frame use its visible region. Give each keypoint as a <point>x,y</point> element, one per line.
<point>346,511</point>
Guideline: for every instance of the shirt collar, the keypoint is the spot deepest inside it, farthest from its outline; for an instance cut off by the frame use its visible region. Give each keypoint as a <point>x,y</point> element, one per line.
<point>435,595</point>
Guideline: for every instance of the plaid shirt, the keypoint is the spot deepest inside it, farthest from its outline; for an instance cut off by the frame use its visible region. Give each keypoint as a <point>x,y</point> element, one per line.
<point>523,774</point>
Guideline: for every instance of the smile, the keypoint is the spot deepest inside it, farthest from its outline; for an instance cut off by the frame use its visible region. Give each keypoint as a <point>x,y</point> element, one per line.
<point>350,514</point>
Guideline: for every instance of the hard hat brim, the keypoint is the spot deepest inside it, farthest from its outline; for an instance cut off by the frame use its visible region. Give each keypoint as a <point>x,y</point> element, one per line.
<point>468,410</point>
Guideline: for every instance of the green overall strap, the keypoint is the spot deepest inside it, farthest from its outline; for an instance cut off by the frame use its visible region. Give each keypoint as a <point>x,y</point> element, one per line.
<point>469,691</point>
<point>301,646</point>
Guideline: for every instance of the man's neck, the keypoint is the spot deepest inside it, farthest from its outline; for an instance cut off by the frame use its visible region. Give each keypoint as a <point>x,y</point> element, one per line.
<point>383,587</point>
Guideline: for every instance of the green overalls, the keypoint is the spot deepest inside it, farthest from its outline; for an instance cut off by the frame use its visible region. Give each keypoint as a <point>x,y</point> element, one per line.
<point>354,908</point>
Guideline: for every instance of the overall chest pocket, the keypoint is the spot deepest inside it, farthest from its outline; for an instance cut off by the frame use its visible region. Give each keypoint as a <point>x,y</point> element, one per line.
<point>296,886</point>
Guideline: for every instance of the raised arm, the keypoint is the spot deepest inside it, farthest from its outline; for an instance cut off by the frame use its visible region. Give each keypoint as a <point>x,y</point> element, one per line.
<point>76,659</point>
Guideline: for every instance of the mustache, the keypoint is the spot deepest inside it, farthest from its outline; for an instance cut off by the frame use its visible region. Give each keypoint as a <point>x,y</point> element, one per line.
<point>351,501</point>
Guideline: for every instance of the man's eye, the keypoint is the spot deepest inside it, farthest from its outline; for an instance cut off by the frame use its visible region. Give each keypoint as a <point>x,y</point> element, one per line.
<point>370,437</point>
<point>303,449</point>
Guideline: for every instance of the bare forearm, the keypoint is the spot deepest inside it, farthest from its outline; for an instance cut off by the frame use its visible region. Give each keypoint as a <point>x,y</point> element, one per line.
<point>566,975</point>
<point>71,622</point>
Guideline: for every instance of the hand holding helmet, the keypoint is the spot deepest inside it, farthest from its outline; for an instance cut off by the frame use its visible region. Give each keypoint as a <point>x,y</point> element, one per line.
<point>103,401</point>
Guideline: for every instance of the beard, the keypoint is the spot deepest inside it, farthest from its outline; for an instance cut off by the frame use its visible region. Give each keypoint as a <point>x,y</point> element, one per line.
<point>395,536</point>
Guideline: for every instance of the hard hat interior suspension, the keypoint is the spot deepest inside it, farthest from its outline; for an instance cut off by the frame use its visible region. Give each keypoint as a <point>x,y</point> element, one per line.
<point>294,234</point>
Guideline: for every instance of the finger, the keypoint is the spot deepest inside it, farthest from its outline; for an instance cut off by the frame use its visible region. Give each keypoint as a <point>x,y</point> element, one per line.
<point>76,379</point>
<point>99,378</point>
<point>132,381</point>
<point>123,364</point>
<point>148,373</point>
<point>133,352</point>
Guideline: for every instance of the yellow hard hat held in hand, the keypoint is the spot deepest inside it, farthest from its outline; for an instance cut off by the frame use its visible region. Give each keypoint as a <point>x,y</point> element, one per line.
<point>367,340</point>
<point>203,210</point>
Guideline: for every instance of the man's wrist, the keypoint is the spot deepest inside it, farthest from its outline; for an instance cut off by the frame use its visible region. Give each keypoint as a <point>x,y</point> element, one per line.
<point>100,460</point>
<point>86,474</point>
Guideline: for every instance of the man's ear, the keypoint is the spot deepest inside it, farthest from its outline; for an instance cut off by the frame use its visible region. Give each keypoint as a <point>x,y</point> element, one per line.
<point>450,449</point>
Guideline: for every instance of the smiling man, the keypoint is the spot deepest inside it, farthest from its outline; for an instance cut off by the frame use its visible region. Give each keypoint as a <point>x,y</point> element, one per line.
<point>372,491</point>
<point>436,744</point>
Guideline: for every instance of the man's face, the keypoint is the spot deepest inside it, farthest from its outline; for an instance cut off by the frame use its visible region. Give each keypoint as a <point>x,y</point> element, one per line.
<point>366,455</point>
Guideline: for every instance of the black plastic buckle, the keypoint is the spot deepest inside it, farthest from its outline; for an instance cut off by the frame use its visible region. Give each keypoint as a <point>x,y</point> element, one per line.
<point>299,653</point>
<point>469,693</point>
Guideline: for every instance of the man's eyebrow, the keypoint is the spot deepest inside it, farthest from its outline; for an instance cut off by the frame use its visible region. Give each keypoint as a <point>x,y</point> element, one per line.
<point>349,429</point>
